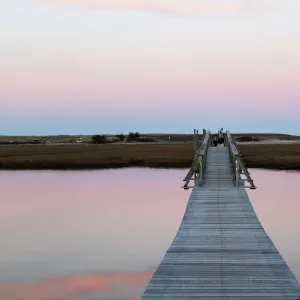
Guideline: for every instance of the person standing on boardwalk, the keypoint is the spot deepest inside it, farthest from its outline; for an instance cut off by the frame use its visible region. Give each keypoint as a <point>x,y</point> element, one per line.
<point>220,137</point>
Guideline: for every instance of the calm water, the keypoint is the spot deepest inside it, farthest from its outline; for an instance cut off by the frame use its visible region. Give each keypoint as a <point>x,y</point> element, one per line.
<point>101,234</point>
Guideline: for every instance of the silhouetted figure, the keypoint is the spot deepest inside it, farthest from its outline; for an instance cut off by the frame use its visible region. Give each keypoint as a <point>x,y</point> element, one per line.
<point>220,138</point>
<point>215,142</point>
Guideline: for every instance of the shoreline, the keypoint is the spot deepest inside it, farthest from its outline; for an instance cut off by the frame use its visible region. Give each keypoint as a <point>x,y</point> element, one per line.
<point>161,167</point>
<point>273,156</point>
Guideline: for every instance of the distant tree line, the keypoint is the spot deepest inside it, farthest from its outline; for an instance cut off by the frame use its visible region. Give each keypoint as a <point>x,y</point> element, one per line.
<point>131,137</point>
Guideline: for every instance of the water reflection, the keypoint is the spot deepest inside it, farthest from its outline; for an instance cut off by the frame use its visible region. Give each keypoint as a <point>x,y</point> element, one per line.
<point>101,234</point>
<point>65,225</point>
<point>126,285</point>
<point>277,203</point>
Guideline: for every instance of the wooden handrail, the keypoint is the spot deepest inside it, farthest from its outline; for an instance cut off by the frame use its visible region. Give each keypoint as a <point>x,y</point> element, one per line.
<point>231,144</point>
<point>199,162</point>
<point>237,162</point>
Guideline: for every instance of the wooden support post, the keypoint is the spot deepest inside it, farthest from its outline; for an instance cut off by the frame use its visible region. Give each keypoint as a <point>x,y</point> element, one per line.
<point>195,142</point>
<point>197,177</point>
<point>201,169</point>
<point>197,139</point>
<point>237,171</point>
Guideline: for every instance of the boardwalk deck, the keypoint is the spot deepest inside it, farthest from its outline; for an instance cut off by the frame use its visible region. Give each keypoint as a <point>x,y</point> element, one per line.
<point>221,250</point>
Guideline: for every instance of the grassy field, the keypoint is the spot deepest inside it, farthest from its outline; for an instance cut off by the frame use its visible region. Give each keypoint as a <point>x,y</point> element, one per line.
<point>94,156</point>
<point>271,156</point>
<point>165,155</point>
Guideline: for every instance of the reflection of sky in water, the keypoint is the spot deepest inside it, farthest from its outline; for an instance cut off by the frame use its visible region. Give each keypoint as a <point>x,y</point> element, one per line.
<point>64,225</point>
<point>276,202</point>
<point>126,285</point>
<point>100,234</point>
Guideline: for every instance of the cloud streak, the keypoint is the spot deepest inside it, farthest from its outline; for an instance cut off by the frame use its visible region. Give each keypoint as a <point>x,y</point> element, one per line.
<point>194,7</point>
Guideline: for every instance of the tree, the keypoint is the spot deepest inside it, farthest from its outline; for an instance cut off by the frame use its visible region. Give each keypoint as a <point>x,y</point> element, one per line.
<point>130,137</point>
<point>133,137</point>
<point>98,139</point>
<point>121,137</point>
<point>137,136</point>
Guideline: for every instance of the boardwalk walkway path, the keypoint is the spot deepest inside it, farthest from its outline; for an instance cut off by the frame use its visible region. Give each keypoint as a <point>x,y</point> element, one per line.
<point>221,251</point>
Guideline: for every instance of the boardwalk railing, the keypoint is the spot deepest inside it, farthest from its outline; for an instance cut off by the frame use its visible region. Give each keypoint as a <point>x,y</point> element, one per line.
<point>237,162</point>
<point>199,163</point>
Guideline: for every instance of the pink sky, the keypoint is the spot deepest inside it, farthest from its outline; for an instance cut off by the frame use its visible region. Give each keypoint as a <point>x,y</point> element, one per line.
<point>188,6</point>
<point>75,58</point>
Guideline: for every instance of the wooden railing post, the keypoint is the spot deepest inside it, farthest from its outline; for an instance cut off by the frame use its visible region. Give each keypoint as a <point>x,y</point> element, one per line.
<point>195,142</point>
<point>201,170</point>
<point>237,170</point>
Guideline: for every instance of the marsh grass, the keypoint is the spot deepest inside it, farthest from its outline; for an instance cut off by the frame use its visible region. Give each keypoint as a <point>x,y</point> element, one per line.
<point>158,155</point>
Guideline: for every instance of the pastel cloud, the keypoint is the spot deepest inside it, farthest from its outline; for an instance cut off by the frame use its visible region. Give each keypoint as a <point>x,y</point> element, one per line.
<point>178,6</point>
<point>70,287</point>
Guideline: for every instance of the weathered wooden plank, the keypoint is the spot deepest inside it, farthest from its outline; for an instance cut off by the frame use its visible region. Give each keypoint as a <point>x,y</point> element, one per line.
<point>221,250</point>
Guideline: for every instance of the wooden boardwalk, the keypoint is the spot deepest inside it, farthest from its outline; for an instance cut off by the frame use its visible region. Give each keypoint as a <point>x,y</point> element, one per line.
<point>221,250</point>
